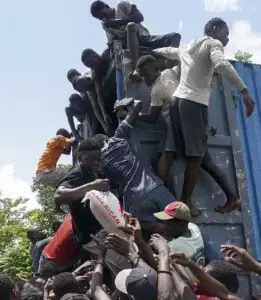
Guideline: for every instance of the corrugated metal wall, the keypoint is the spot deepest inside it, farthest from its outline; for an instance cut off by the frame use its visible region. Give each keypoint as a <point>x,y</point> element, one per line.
<point>250,136</point>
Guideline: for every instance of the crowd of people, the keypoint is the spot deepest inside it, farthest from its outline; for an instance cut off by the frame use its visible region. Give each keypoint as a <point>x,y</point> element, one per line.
<point>159,253</point>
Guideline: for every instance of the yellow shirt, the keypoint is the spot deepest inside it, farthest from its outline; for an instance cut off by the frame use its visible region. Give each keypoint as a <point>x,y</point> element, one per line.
<point>54,149</point>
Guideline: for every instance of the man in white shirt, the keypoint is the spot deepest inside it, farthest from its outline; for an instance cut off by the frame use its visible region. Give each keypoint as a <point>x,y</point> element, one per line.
<point>198,61</point>
<point>182,235</point>
<point>163,86</point>
<point>115,20</point>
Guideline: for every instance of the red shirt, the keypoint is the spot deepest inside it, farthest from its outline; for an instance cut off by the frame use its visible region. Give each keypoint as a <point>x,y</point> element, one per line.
<point>63,247</point>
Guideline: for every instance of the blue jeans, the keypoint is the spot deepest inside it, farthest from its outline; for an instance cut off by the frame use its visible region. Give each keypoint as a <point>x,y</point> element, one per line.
<point>153,202</point>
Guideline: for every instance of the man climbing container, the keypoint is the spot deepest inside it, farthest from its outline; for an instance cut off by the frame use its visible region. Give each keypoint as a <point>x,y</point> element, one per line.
<point>46,172</point>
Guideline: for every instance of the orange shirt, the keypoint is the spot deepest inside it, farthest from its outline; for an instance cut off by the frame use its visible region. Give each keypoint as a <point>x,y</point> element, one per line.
<point>52,153</point>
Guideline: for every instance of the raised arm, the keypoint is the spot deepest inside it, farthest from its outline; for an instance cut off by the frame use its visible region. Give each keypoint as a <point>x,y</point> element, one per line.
<point>100,96</point>
<point>241,258</point>
<point>165,282</point>
<point>97,278</point>
<point>210,284</point>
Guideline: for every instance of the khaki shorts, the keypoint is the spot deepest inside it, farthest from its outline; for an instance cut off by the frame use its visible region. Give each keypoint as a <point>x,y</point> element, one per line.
<point>50,176</point>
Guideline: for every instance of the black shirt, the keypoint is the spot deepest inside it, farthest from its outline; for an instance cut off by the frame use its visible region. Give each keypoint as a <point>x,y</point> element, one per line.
<point>83,221</point>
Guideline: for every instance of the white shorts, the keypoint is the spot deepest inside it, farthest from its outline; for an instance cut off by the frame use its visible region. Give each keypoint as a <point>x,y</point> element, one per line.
<point>50,176</point>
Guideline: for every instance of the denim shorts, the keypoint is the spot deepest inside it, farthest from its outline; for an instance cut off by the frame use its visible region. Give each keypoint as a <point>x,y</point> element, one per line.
<point>153,202</point>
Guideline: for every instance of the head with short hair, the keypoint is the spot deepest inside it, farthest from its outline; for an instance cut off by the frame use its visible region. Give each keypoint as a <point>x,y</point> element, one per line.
<point>217,29</point>
<point>101,139</point>
<point>34,234</point>
<point>147,69</point>
<point>175,218</point>
<point>8,289</point>
<point>31,293</point>
<point>64,283</point>
<point>91,59</point>
<point>56,225</point>
<point>89,154</point>
<point>63,132</point>
<point>72,73</point>
<point>101,11</point>
<point>76,101</point>
<point>225,273</point>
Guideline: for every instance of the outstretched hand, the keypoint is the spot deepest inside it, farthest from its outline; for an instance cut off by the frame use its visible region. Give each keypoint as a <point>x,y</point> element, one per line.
<point>239,257</point>
<point>119,244</point>
<point>132,227</point>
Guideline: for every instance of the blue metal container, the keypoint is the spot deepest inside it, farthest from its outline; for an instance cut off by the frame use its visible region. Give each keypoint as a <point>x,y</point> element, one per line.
<point>250,137</point>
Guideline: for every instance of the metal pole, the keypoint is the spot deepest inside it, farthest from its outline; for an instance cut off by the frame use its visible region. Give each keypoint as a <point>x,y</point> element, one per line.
<point>117,47</point>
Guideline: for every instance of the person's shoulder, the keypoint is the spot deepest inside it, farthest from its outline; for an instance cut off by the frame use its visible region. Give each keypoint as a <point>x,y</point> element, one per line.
<point>194,228</point>
<point>75,170</point>
<point>158,88</point>
<point>73,173</point>
<point>158,83</point>
<point>214,43</point>
<point>169,74</point>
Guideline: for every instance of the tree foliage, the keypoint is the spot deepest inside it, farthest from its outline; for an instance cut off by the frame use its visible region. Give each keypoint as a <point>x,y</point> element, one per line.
<point>15,218</point>
<point>243,56</point>
<point>44,216</point>
<point>14,254</point>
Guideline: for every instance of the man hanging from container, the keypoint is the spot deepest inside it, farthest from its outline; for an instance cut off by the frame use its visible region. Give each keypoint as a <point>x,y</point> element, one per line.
<point>143,192</point>
<point>104,85</point>
<point>46,172</point>
<point>163,86</point>
<point>76,109</point>
<point>115,21</point>
<point>90,121</point>
<point>189,108</point>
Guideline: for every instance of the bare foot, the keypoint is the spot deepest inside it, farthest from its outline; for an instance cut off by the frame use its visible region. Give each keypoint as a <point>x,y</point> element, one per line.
<point>193,210</point>
<point>231,205</point>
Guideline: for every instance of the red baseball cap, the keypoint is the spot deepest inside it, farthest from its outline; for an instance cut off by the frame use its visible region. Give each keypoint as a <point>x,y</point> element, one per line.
<point>178,210</point>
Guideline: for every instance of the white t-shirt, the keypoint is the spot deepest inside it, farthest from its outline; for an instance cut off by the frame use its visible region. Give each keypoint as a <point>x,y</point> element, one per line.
<point>198,61</point>
<point>163,90</point>
<point>123,11</point>
<point>192,247</point>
